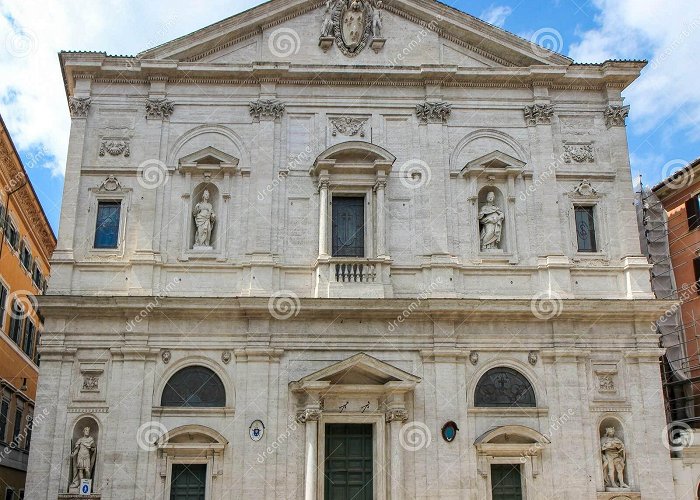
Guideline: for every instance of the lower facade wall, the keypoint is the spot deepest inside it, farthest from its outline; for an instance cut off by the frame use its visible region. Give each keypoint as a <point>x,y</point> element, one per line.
<point>115,388</point>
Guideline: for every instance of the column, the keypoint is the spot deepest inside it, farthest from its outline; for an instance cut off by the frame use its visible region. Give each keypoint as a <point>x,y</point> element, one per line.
<point>310,417</point>
<point>323,216</point>
<point>395,418</point>
<point>379,188</point>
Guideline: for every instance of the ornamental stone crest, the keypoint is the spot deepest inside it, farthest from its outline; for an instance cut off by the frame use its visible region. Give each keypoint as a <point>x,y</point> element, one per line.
<point>346,125</point>
<point>159,108</point>
<point>578,153</point>
<point>79,106</point>
<point>115,147</point>
<point>615,116</point>
<point>433,111</point>
<point>271,108</point>
<point>352,23</point>
<point>585,189</point>
<point>539,114</point>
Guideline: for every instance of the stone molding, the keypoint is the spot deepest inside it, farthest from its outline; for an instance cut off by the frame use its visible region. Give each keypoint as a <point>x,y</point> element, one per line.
<point>267,108</point>
<point>79,106</point>
<point>159,108</point>
<point>539,114</point>
<point>615,116</point>
<point>435,112</point>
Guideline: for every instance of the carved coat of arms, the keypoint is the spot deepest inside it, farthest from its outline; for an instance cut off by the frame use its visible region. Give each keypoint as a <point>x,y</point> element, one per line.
<point>352,24</point>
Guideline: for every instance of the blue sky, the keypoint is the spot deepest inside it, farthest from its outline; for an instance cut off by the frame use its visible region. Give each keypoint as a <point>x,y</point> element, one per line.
<point>663,127</point>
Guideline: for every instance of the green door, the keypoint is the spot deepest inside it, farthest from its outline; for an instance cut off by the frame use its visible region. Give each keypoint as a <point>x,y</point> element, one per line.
<point>348,465</point>
<point>188,482</point>
<point>506,482</point>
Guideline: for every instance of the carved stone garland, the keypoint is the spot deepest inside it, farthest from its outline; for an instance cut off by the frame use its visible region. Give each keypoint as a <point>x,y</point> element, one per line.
<point>115,147</point>
<point>267,108</point>
<point>578,153</point>
<point>346,125</point>
<point>159,108</point>
<point>433,111</point>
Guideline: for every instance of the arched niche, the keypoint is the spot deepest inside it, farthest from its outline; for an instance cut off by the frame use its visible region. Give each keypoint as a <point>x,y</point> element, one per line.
<point>199,138</point>
<point>216,202</point>
<point>482,142</point>
<point>490,216</point>
<point>84,447</point>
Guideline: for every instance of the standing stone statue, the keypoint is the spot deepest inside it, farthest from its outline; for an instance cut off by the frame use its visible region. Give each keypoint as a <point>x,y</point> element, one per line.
<point>613,459</point>
<point>204,218</point>
<point>327,27</point>
<point>491,219</point>
<point>82,459</point>
<point>377,21</point>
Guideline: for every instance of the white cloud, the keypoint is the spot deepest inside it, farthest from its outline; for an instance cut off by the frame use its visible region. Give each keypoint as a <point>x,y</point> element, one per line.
<point>666,98</point>
<point>32,95</point>
<point>496,15</point>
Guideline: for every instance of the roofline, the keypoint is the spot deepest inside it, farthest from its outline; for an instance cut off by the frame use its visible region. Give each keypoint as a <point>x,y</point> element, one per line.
<point>26,176</point>
<point>658,189</point>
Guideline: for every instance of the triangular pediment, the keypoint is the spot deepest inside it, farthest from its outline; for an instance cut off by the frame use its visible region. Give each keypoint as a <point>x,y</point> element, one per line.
<point>360,369</point>
<point>444,36</point>
<point>208,156</point>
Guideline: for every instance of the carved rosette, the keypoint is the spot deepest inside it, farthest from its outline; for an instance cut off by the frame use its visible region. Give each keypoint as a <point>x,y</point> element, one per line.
<point>308,414</point>
<point>398,414</point>
<point>433,111</point>
<point>79,106</point>
<point>115,147</point>
<point>270,108</point>
<point>348,126</point>
<point>159,108</point>
<point>539,114</point>
<point>578,153</point>
<point>615,115</point>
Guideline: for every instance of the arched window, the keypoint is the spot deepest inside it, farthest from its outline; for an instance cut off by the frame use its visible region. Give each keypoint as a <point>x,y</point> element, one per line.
<point>196,387</point>
<point>504,388</point>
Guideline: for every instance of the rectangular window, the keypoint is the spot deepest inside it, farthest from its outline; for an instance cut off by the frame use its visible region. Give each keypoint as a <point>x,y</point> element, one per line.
<point>16,321</point>
<point>9,494</point>
<point>17,429</point>
<point>3,304</point>
<point>348,219</point>
<point>28,437</point>
<point>107,224</point>
<point>25,256</point>
<point>37,277</point>
<point>692,212</point>
<point>2,217</point>
<point>4,413</point>
<point>11,234</point>
<point>506,482</point>
<point>29,331</point>
<point>585,229</point>
<point>36,348</point>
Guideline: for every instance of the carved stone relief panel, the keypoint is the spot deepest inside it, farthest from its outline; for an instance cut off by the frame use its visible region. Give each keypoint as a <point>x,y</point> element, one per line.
<point>90,381</point>
<point>348,128</point>
<point>606,381</point>
<point>578,152</point>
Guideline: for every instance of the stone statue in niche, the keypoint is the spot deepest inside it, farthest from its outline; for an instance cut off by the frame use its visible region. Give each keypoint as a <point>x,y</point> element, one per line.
<point>491,220</point>
<point>204,219</point>
<point>82,459</point>
<point>613,450</point>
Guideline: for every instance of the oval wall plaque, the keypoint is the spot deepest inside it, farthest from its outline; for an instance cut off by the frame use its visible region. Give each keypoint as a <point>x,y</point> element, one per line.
<point>256,430</point>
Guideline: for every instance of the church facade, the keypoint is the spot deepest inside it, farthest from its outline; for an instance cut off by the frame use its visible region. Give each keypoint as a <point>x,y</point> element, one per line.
<point>349,250</point>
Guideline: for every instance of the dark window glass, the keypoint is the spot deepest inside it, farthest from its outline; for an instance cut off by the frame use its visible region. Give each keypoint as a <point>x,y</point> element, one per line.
<point>2,217</point>
<point>504,387</point>
<point>9,494</point>
<point>107,225</point>
<point>18,424</point>
<point>37,277</point>
<point>585,229</point>
<point>11,234</point>
<point>28,344</point>
<point>16,321</point>
<point>4,412</point>
<point>348,227</point>
<point>194,386</point>
<point>37,356</point>
<point>188,482</point>
<point>3,304</point>
<point>506,483</point>
<point>28,437</point>
<point>692,212</point>
<point>25,256</point>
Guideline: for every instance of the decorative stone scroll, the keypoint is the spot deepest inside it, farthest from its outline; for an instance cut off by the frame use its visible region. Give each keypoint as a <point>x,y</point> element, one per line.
<point>615,115</point>
<point>433,111</point>
<point>397,414</point>
<point>271,108</point>
<point>115,147</point>
<point>346,125</point>
<point>79,106</point>
<point>537,114</point>
<point>159,108</point>
<point>578,153</point>
<point>308,414</point>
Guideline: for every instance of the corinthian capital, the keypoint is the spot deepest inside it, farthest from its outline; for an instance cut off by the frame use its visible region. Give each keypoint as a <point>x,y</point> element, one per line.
<point>159,108</point>
<point>615,115</point>
<point>308,414</point>
<point>397,414</point>
<point>79,106</point>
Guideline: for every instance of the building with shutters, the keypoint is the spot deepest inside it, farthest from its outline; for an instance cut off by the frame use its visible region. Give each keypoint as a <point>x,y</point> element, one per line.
<point>26,244</point>
<point>349,250</point>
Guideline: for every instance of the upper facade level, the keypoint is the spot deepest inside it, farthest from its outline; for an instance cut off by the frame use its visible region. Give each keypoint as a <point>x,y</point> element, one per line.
<point>348,149</point>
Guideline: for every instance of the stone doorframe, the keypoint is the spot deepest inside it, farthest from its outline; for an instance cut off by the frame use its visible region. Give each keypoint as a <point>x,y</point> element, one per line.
<point>353,382</point>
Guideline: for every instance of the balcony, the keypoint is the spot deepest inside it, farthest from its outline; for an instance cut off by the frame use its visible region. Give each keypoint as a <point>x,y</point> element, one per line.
<point>353,277</point>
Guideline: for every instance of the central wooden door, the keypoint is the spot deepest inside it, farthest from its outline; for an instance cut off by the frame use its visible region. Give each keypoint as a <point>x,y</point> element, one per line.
<point>348,464</point>
<point>506,482</point>
<point>188,482</point>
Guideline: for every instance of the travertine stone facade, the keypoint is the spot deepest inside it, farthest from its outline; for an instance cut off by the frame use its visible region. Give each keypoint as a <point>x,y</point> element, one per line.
<point>276,113</point>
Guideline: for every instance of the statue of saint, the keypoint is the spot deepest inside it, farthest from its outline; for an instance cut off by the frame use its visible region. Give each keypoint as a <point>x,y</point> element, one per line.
<point>327,28</point>
<point>613,459</point>
<point>204,218</point>
<point>491,219</point>
<point>82,459</point>
<point>377,21</point>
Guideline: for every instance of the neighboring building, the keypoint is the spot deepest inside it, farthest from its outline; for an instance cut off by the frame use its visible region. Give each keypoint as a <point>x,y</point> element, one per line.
<point>423,278</point>
<point>26,244</point>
